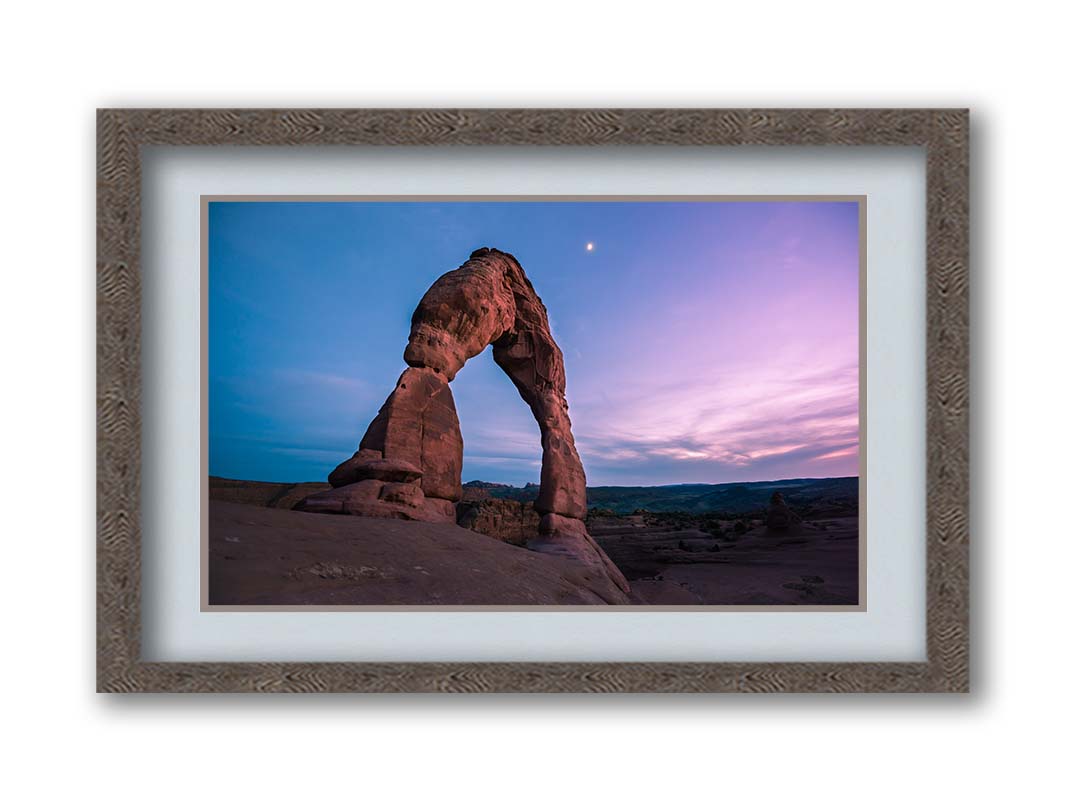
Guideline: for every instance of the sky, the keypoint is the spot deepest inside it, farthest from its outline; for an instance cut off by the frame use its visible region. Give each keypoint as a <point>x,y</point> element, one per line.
<point>704,342</point>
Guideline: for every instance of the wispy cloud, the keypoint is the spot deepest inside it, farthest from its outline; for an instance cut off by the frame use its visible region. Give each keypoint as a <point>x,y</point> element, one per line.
<point>336,383</point>
<point>745,419</point>
<point>312,453</point>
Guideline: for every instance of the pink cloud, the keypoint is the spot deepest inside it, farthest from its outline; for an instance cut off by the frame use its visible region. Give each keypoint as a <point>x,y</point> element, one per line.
<point>737,418</point>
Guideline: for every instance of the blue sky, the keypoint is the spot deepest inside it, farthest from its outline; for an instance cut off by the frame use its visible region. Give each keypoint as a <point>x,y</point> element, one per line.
<point>703,341</point>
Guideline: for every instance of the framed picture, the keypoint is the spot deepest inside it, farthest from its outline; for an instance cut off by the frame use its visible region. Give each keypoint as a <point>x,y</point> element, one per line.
<point>532,400</point>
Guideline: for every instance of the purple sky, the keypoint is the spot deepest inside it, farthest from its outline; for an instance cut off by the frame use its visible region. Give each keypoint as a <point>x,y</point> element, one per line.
<point>704,342</point>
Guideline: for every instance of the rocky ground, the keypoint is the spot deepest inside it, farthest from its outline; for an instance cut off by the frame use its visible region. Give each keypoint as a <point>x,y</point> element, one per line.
<point>262,493</point>
<point>811,563</point>
<point>273,556</point>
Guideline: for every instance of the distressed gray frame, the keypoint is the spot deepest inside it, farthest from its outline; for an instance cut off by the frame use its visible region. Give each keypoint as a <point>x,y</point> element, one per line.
<point>122,132</point>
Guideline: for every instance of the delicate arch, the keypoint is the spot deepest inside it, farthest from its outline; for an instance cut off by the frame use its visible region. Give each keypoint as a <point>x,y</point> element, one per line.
<point>409,461</point>
<point>490,301</point>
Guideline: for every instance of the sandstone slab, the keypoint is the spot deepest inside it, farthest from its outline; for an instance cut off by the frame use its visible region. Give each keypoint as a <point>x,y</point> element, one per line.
<point>568,538</point>
<point>374,498</point>
<point>350,560</point>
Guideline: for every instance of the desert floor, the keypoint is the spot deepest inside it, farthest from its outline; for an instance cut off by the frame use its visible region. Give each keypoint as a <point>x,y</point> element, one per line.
<point>814,563</point>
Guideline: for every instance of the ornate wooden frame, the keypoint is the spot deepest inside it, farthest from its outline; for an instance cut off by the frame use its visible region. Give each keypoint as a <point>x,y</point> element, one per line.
<point>121,133</point>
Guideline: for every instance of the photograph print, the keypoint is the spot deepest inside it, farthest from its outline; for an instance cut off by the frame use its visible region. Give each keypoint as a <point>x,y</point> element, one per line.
<point>618,403</point>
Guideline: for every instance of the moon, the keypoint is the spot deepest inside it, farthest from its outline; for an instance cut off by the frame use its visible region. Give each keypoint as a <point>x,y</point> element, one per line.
<point>589,247</point>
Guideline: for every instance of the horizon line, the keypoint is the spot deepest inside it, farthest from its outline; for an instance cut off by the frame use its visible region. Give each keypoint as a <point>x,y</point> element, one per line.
<point>601,486</point>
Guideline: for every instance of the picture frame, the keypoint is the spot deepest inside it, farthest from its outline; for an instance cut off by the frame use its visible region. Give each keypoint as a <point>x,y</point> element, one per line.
<point>121,135</point>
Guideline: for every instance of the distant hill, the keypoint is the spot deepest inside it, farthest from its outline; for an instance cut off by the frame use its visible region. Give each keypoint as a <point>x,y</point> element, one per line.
<point>825,496</point>
<point>488,485</point>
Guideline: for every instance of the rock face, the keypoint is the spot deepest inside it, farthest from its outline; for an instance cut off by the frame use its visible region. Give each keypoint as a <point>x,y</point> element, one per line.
<point>779,516</point>
<point>415,439</point>
<point>505,520</point>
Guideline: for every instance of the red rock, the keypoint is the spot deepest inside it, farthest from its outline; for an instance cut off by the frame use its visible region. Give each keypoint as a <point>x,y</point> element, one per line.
<point>462,313</point>
<point>567,537</point>
<point>374,498</point>
<point>407,494</point>
<point>436,509</point>
<point>417,432</point>
<point>362,468</point>
<point>345,472</point>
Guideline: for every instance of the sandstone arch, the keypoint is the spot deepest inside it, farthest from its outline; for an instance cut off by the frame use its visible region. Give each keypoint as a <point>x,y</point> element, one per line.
<point>409,461</point>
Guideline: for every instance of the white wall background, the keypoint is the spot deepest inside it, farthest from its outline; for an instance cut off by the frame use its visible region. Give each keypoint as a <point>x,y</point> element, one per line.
<point>60,63</point>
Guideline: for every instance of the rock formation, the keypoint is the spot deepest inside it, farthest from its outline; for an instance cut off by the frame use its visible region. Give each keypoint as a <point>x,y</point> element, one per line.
<point>779,516</point>
<point>508,521</point>
<point>409,461</point>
